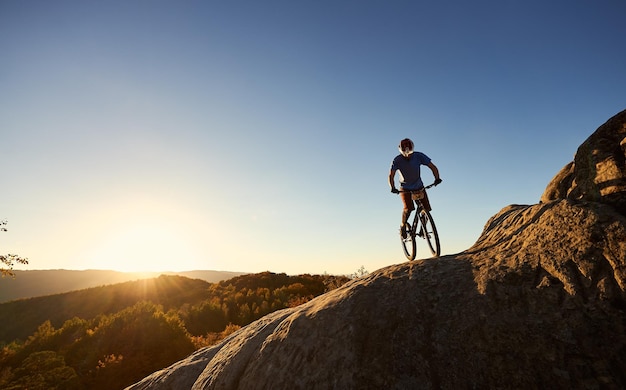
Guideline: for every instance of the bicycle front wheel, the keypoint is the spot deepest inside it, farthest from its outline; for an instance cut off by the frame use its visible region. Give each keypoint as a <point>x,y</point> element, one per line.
<point>429,232</point>
<point>409,246</point>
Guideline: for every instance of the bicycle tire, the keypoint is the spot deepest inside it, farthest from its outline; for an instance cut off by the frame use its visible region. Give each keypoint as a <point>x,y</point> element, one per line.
<point>409,246</point>
<point>429,233</point>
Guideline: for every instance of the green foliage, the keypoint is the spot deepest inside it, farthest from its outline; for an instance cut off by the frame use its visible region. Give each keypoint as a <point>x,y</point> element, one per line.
<point>113,336</point>
<point>21,318</point>
<point>205,317</point>
<point>129,345</point>
<point>44,370</point>
<point>7,262</point>
<point>247,298</point>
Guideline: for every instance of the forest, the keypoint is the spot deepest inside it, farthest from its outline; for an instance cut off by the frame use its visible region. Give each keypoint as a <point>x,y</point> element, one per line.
<point>109,337</point>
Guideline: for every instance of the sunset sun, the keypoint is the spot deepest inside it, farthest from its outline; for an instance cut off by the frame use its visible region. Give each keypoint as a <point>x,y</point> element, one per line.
<point>143,247</point>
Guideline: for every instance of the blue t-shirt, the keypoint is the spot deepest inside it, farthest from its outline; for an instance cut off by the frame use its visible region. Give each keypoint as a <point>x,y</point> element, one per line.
<point>409,168</point>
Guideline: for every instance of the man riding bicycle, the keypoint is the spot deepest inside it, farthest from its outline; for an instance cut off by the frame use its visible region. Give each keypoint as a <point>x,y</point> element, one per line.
<point>408,163</point>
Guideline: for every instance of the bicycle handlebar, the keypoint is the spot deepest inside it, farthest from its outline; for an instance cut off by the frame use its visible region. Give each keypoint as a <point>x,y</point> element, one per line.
<point>423,188</point>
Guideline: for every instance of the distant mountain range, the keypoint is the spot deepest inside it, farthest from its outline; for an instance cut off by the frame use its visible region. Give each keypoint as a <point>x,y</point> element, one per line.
<point>35,283</point>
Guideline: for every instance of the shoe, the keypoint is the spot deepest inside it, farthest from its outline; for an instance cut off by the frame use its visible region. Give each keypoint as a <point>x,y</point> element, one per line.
<point>403,232</point>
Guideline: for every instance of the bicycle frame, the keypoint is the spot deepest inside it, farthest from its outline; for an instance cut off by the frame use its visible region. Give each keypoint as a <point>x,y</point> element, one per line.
<point>423,226</point>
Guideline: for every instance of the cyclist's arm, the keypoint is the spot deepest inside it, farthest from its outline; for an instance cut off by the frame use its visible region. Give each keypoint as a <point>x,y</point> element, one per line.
<point>392,175</point>
<point>435,170</point>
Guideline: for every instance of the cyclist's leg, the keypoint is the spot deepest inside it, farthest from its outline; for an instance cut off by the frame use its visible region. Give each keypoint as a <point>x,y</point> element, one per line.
<point>426,202</point>
<point>407,202</point>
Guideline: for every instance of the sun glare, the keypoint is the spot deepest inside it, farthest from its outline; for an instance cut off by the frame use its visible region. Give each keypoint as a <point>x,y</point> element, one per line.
<point>143,248</point>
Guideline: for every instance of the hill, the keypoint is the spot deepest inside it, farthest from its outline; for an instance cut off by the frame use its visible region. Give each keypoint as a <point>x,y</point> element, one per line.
<point>108,337</point>
<point>35,283</point>
<point>539,301</point>
<point>21,318</point>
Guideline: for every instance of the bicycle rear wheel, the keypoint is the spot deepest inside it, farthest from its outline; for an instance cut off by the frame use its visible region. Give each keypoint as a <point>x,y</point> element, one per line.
<point>429,232</point>
<point>409,246</point>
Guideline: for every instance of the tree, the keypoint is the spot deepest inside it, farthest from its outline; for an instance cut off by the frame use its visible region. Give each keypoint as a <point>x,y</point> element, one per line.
<point>361,272</point>
<point>43,370</point>
<point>8,261</point>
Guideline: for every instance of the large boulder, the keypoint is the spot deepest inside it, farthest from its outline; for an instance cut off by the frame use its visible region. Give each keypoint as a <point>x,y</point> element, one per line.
<point>537,302</point>
<point>598,172</point>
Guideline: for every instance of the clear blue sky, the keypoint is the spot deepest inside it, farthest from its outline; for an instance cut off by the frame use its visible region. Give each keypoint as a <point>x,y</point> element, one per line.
<point>258,135</point>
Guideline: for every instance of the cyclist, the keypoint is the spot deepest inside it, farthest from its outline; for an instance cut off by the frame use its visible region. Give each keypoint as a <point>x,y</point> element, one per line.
<point>408,163</point>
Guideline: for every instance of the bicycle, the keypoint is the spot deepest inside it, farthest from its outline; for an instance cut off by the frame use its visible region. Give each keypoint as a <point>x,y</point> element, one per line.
<point>423,226</point>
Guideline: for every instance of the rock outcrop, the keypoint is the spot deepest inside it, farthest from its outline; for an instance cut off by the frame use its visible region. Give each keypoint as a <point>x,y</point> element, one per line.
<point>537,302</point>
<point>598,172</point>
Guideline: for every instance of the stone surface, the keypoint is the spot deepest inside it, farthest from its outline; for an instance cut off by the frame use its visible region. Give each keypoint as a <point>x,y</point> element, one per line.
<point>537,302</point>
<point>598,172</point>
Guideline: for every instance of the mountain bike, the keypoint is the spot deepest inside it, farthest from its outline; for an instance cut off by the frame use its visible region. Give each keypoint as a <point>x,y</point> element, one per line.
<point>423,226</point>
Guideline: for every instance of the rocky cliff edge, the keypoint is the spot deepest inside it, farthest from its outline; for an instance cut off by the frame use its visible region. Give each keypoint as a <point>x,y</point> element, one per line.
<point>537,302</point>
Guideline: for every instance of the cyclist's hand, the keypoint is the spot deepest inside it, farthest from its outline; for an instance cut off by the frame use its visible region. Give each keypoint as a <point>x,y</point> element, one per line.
<point>395,191</point>
<point>438,181</point>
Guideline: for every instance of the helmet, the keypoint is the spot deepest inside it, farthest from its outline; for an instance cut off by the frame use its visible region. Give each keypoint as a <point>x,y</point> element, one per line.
<point>406,147</point>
